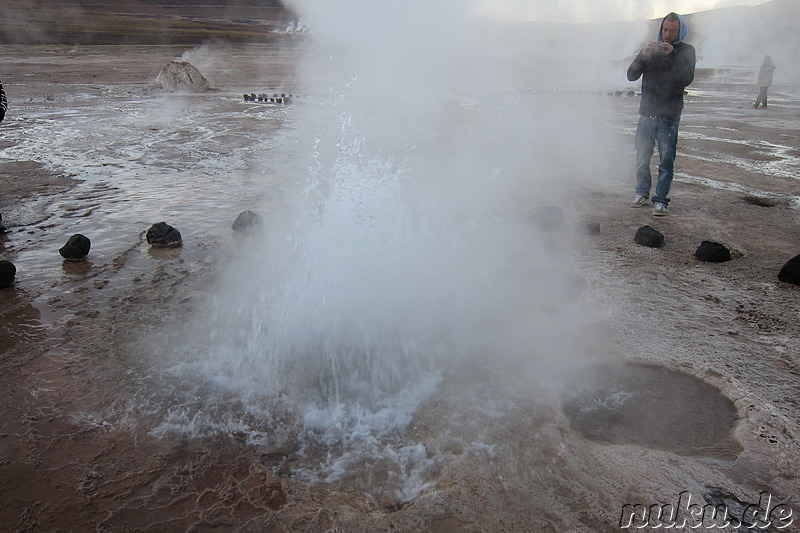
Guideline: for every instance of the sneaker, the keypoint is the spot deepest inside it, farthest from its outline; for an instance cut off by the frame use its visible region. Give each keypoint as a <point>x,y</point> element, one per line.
<point>659,209</point>
<point>640,201</point>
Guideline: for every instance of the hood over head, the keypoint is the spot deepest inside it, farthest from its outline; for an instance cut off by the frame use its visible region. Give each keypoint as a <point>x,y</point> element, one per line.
<point>681,33</point>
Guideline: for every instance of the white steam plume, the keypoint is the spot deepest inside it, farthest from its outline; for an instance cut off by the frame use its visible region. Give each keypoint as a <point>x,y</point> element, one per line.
<point>406,250</point>
<point>409,241</point>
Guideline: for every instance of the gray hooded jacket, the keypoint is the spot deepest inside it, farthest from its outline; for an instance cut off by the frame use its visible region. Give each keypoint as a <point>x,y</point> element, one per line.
<point>664,77</point>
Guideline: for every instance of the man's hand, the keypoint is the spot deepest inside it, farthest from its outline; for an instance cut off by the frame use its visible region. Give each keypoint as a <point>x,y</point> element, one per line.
<point>666,48</point>
<point>653,48</point>
<point>649,49</point>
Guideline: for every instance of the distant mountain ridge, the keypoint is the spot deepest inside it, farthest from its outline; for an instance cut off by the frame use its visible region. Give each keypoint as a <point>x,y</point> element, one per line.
<point>111,4</point>
<point>140,21</point>
<point>738,34</point>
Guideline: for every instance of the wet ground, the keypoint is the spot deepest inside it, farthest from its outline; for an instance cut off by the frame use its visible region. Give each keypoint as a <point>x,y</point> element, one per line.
<point>97,427</point>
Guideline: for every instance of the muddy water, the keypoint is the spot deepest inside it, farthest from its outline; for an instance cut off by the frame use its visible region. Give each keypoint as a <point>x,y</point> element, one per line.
<point>138,157</point>
<point>652,406</point>
<point>149,171</point>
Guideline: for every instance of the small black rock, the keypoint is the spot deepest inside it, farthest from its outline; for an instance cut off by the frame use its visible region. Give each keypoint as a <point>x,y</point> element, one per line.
<point>790,273</point>
<point>162,235</point>
<point>591,228</point>
<point>246,221</point>
<point>76,249</point>
<point>760,201</point>
<point>713,252</point>
<point>647,236</point>
<point>7,273</point>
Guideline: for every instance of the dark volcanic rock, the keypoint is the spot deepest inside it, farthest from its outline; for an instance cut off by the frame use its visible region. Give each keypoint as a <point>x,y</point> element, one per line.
<point>712,252</point>
<point>548,217</point>
<point>162,235</point>
<point>790,273</point>
<point>591,228</point>
<point>7,273</point>
<point>2,227</point>
<point>760,201</point>
<point>246,221</point>
<point>76,249</point>
<point>647,236</point>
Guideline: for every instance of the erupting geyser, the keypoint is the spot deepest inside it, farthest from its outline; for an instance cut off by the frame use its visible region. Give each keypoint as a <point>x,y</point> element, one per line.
<point>404,252</point>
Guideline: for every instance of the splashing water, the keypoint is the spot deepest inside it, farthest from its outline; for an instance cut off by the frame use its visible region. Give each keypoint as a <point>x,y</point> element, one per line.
<point>394,259</point>
<point>335,326</point>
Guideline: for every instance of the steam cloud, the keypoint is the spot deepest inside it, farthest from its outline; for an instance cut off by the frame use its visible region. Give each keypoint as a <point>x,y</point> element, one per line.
<point>410,242</point>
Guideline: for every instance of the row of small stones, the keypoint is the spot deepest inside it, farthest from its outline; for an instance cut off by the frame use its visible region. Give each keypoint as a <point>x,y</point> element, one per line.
<point>275,98</point>
<point>550,217</point>
<point>714,252</point>
<point>284,98</point>
<point>160,235</point>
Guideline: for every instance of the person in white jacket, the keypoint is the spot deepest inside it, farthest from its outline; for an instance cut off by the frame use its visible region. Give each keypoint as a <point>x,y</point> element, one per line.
<point>764,81</point>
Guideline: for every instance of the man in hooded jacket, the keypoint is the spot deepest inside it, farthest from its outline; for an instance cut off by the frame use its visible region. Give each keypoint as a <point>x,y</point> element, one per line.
<point>666,67</point>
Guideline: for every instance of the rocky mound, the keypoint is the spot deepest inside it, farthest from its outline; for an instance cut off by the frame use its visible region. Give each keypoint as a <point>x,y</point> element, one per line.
<point>181,76</point>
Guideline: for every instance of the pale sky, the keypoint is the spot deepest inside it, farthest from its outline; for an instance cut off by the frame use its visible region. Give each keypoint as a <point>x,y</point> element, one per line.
<point>594,10</point>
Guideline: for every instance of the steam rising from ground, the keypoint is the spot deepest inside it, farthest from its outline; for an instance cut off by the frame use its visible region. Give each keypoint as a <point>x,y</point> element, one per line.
<point>406,249</point>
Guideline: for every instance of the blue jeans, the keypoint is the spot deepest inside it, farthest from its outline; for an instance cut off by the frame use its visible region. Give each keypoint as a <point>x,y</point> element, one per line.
<point>649,131</point>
